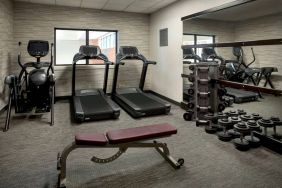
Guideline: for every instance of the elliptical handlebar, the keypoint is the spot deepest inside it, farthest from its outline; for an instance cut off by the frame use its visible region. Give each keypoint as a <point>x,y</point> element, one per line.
<point>254,58</point>
<point>213,56</point>
<point>51,62</point>
<point>19,57</point>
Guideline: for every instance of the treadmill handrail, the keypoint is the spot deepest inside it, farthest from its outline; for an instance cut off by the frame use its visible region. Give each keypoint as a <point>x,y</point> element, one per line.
<point>151,62</point>
<point>99,56</point>
<point>121,57</point>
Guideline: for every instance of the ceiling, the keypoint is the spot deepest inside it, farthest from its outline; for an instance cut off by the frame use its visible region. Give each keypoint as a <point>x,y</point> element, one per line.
<point>138,6</point>
<point>246,11</point>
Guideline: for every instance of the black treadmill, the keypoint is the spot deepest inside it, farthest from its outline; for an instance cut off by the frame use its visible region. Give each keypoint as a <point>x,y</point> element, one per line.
<point>134,100</point>
<point>241,96</point>
<point>92,104</point>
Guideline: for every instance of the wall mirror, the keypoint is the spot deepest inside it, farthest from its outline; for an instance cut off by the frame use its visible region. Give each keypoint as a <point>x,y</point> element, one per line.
<point>250,21</point>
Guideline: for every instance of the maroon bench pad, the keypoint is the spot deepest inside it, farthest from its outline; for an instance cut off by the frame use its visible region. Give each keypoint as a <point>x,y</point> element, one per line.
<point>90,139</point>
<point>140,133</point>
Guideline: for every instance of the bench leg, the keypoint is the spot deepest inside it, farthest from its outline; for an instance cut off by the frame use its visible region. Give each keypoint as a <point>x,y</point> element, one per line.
<point>160,147</point>
<point>62,163</point>
<point>164,152</point>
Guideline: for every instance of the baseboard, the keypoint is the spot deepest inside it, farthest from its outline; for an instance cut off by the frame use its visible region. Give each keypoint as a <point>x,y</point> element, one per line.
<point>163,97</point>
<point>60,98</point>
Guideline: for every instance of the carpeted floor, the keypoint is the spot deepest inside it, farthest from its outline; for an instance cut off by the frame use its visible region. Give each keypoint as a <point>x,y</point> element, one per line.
<point>29,150</point>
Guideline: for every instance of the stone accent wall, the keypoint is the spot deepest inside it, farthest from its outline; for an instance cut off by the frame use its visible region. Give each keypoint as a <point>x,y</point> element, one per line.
<point>267,27</point>
<point>6,47</point>
<point>34,21</point>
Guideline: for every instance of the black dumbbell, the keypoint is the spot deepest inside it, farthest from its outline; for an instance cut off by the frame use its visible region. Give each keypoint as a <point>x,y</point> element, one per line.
<point>191,91</point>
<point>276,122</point>
<point>188,115</point>
<point>202,123</point>
<point>220,107</point>
<point>191,77</point>
<point>253,141</point>
<point>246,117</point>
<point>232,113</point>
<point>220,115</point>
<point>265,123</point>
<point>221,92</point>
<point>210,129</point>
<point>256,116</point>
<point>191,105</point>
<point>234,120</point>
<point>223,135</point>
<point>226,103</point>
<point>231,101</point>
<point>192,67</point>
<point>241,112</point>
<point>233,132</point>
<point>241,143</point>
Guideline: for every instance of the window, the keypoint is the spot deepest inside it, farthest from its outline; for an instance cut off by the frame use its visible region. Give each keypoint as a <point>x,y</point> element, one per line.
<point>103,39</point>
<point>68,41</point>
<point>193,39</point>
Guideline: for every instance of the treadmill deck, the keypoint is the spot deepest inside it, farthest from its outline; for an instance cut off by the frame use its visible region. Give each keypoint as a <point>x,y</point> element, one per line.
<point>241,96</point>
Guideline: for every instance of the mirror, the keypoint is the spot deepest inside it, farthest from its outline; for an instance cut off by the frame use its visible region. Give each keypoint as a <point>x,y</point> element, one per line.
<point>252,21</point>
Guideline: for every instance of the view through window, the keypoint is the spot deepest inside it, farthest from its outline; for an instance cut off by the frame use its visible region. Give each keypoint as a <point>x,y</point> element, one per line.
<point>193,39</point>
<point>68,42</point>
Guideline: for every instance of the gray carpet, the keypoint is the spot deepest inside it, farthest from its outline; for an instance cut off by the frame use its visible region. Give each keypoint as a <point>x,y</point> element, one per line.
<point>29,150</point>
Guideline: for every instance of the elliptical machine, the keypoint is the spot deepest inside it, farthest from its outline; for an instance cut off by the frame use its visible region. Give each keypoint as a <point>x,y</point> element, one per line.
<point>234,70</point>
<point>33,90</point>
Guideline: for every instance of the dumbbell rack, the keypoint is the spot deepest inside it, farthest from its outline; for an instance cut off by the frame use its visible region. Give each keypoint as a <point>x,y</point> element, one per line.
<point>269,141</point>
<point>204,99</point>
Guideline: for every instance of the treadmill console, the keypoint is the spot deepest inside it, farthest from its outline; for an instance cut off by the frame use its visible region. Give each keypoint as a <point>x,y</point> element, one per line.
<point>89,51</point>
<point>128,51</point>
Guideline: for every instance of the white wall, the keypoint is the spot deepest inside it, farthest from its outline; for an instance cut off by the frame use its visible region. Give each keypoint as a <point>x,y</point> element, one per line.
<point>166,75</point>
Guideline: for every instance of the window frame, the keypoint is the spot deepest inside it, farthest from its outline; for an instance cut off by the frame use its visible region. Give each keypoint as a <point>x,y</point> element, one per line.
<point>195,38</point>
<point>87,41</point>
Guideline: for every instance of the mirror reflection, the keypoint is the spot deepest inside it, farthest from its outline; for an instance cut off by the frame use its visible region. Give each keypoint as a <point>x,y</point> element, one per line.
<point>254,65</point>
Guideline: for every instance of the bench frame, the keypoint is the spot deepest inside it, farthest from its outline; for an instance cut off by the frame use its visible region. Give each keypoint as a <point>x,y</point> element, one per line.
<point>160,147</point>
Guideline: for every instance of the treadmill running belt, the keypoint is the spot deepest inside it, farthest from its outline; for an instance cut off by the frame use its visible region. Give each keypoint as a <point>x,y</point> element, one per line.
<point>143,101</point>
<point>95,104</point>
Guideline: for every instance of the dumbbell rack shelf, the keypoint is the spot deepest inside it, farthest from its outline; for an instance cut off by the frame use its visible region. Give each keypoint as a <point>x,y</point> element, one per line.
<point>269,142</point>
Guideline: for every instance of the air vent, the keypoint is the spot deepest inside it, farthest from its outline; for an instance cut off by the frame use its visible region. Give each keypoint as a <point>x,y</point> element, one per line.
<point>164,37</point>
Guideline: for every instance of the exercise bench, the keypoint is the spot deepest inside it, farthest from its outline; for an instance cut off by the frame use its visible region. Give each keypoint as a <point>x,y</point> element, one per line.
<point>123,139</point>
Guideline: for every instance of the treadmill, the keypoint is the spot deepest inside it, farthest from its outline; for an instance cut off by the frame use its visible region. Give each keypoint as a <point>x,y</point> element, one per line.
<point>133,100</point>
<point>241,96</point>
<point>92,104</point>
